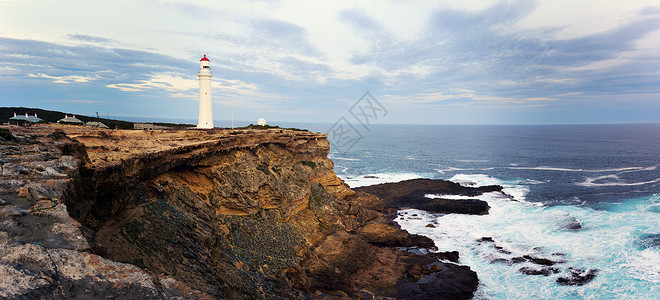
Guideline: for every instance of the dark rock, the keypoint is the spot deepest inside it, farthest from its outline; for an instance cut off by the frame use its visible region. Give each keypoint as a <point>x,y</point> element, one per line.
<point>577,277</point>
<point>517,260</point>
<point>411,193</point>
<point>501,260</point>
<point>384,234</point>
<point>415,270</point>
<point>538,271</point>
<point>451,282</point>
<point>539,261</point>
<point>452,256</point>
<point>570,223</point>
<point>430,225</point>
<point>486,239</point>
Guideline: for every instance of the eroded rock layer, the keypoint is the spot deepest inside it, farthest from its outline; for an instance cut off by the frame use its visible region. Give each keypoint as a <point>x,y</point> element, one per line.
<point>218,214</point>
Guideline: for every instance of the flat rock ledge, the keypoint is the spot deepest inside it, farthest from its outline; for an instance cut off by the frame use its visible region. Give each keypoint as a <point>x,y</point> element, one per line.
<point>412,194</point>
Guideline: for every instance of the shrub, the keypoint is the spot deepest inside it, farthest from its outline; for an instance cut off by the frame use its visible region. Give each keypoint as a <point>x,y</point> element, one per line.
<point>6,134</point>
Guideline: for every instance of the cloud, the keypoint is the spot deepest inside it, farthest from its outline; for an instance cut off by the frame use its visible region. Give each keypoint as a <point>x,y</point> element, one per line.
<point>90,39</point>
<point>163,81</point>
<point>283,36</point>
<point>182,86</point>
<point>485,50</point>
<point>464,97</point>
<point>299,56</point>
<point>459,97</point>
<point>63,79</point>
<point>85,61</point>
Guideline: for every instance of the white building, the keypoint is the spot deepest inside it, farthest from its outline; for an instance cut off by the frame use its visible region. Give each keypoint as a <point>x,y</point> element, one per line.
<point>96,124</point>
<point>261,121</point>
<point>205,104</point>
<point>70,120</point>
<point>25,118</point>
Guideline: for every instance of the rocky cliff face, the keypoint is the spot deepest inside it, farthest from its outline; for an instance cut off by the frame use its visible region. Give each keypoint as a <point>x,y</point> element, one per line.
<point>204,214</point>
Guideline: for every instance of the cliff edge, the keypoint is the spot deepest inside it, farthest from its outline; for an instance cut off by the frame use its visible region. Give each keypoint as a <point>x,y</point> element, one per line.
<point>218,214</point>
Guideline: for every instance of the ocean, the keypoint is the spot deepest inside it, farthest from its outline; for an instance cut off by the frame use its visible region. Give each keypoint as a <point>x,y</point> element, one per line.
<point>585,196</point>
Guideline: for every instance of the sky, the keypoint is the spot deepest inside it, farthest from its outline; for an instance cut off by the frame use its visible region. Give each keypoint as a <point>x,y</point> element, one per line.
<point>423,62</point>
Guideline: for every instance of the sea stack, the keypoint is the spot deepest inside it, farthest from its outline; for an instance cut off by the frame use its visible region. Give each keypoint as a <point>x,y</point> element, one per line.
<point>205,104</point>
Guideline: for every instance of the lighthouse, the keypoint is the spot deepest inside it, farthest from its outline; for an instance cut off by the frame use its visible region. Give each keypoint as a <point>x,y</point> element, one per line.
<point>205,106</point>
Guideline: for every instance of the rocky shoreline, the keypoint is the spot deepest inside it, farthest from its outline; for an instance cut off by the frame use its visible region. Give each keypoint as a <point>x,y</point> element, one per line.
<point>209,214</point>
<point>413,194</point>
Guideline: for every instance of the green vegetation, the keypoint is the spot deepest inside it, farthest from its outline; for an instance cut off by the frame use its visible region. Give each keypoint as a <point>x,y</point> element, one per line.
<point>263,168</point>
<point>6,134</point>
<point>252,126</point>
<point>50,116</point>
<point>310,164</point>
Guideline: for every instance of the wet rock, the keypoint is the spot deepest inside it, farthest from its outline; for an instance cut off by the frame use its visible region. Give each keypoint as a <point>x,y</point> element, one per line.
<point>452,256</point>
<point>539,261</point>
<point>411,193</point>
<point>486,239</point>
<point>430,225</point>
<point>577,277</point>
<point>450,282</point>
<point>570,223</point>
<point>538,271</point>
<point>501,249</point>
<point>388,235</point>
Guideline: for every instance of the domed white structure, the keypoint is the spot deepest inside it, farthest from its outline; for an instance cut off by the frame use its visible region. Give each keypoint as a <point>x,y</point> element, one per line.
<point>205,104</point>
<point>261,122</point>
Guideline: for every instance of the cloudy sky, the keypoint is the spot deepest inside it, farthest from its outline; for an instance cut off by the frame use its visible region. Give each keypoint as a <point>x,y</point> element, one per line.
<point>450,62</point>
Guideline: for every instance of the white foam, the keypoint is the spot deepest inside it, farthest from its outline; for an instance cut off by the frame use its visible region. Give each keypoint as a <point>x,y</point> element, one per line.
<point>378,178</point>
<point>471,160</point>
<point>484,196</point>
<point>546,168</point>
<point>645,265</point>
<point>514,189</point>
<point>448,169</point>
<point>606,243</point>
<point>448,197</point>
<point>615,181</point>
<point>333,157</point>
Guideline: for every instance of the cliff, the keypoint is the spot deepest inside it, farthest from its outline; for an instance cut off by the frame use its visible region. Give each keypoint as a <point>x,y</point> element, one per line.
<point>200,214</point>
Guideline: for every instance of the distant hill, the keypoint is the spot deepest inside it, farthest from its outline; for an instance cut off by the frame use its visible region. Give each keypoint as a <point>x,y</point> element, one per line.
<point>51,116</point>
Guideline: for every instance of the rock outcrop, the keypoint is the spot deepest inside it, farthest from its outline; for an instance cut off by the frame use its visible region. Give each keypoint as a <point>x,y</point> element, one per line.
<point>413,194</point>
<point>201,214</point>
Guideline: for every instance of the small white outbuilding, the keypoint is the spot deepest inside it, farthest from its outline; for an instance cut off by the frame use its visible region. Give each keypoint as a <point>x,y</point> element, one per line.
<point>70,120</point>
<point>261,122</point>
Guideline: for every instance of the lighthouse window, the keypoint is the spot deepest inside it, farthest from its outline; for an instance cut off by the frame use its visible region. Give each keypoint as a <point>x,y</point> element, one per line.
<point>207,67</point>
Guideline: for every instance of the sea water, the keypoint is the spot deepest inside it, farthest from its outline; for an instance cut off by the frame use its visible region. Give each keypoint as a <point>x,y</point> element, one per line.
<point>584,196</point>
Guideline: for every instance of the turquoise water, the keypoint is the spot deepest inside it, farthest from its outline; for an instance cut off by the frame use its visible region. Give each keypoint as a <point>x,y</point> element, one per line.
<point>606,178</point>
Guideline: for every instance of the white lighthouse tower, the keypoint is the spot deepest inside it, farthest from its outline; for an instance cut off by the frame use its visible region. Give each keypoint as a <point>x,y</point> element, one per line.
<point>205,106</point>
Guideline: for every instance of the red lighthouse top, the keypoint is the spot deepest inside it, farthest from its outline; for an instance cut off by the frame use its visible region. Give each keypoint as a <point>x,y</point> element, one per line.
<point>204,58</point>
